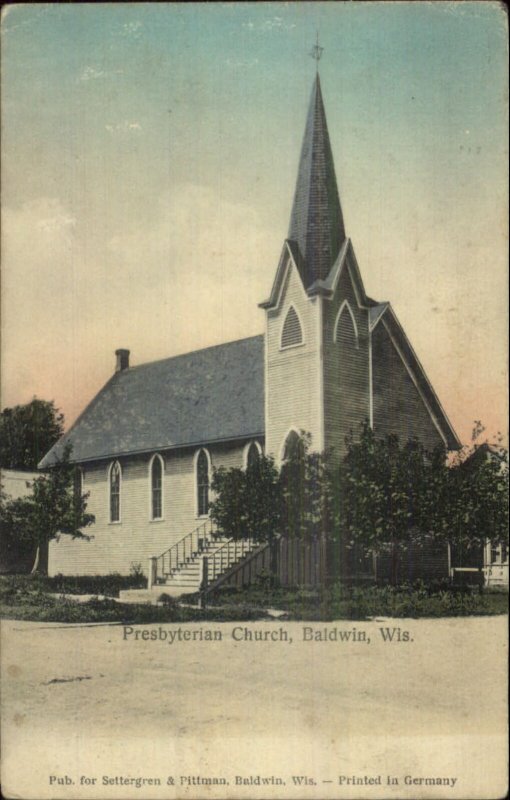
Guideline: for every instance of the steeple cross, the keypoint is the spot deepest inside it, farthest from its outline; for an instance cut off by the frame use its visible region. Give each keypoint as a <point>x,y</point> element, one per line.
<point>317,51</point>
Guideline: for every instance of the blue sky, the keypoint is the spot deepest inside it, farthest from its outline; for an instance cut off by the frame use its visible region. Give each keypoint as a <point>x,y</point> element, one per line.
<point>149,161</point>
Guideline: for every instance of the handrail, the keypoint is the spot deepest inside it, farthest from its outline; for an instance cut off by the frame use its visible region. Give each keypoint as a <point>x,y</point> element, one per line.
<point>213,584</point>
<point>185,549</point>
<point>220,559</point>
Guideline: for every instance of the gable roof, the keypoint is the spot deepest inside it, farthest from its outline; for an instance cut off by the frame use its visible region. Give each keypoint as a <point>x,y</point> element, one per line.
<point>209,395</point>
<point>316,223</point>
<point>413,364</point>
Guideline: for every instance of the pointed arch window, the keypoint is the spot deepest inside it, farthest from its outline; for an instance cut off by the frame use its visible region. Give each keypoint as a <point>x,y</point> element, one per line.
<point>77,484</point>
<point>202,480</point>
<point>252,454</point>
<point>156,475</point>
<point>115,485</point>
<point>293,447</point>
<point>292,332</point>
<point>346,330</point>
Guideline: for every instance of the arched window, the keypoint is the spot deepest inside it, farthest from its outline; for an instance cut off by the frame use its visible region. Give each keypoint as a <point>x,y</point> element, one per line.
<point>252,454</point>
<point>292,333</point>
<point>156,487</point>
<point>202,473</point>
<point>115,481</point>
<point>346,330</point>
<point>77,484</point>
<point>294,447</point>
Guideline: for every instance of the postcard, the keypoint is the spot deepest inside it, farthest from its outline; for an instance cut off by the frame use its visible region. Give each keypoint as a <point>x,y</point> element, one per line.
<point>254,401</point>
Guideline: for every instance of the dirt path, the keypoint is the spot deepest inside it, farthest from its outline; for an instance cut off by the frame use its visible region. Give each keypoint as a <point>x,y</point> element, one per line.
<point>200,698</point>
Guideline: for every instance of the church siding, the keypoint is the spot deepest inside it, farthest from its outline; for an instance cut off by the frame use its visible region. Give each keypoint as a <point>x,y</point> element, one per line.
<point>292,374</point>
<point>346,371</point>
<point>398,406</point>
<point>116,547</point>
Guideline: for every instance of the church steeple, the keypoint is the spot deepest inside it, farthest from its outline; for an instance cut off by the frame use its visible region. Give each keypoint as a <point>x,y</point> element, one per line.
<point>316,222</point>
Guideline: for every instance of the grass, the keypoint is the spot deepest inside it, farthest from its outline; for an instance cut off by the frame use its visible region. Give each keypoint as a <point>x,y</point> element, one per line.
<point>341,601</point>
<point>29,598</point>
<point>26,602</point>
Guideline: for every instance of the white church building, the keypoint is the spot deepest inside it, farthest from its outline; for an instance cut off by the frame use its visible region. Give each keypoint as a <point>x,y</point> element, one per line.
<point>330,358</point>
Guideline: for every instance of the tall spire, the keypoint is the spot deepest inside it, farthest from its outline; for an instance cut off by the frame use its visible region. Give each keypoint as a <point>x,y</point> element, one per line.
<point>316,222</point>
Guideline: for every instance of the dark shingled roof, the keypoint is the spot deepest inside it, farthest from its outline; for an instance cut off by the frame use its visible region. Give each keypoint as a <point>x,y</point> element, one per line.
<point>209,395</point>
<point>316,222</point>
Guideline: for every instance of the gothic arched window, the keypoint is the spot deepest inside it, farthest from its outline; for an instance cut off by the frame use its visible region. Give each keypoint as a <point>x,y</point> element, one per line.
<point>346,331</point>
<point>157,487</point>
<point>252,454</point>
<point>202,480</point>
<point>115,482</point>
<point>294,447</point>
<point>292,333</point>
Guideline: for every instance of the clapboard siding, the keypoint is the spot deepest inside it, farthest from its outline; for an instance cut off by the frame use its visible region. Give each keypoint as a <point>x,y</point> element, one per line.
<point>398,406</point>
<point>116,547</point>
<point>346,375</point>
<point>293,373</point>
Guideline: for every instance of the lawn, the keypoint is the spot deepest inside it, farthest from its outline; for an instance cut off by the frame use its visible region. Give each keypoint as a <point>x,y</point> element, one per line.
<point>32,598</point>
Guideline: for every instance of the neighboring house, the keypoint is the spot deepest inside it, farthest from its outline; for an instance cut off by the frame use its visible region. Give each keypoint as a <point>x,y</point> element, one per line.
<point>492,558</point>
<point>330,358</point>
<point>15,557</point>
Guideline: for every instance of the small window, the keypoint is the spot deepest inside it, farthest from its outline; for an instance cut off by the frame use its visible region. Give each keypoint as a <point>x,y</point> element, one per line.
<point>292,333</point>
<point>115,478</point>
<point>157,488</point>
<point>252,455</point>
<point>202,484</point>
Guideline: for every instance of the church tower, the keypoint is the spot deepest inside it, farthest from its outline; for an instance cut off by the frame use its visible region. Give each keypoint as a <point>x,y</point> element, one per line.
<point>334,357</point>
<point>317,338</point>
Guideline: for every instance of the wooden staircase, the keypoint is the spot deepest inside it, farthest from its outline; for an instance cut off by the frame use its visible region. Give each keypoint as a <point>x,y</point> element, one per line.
<point>182,568</point>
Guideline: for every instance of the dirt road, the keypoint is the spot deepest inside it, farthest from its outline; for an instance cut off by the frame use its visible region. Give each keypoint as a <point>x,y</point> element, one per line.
<point>267,698</point>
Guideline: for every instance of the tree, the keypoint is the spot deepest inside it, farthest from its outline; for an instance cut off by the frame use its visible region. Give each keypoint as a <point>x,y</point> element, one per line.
<point>56,507</point>
<point>386,495</point>
<point>306,484</point>
<point>27,432</point>
<point>247,502</point>
<point>381,493</point>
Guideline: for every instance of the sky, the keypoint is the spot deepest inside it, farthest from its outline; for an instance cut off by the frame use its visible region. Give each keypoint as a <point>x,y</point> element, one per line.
<point>149,161</point>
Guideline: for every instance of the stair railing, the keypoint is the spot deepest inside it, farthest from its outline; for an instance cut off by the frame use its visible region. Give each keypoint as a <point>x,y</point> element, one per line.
<point>182,552</point>
<point>221,559</point>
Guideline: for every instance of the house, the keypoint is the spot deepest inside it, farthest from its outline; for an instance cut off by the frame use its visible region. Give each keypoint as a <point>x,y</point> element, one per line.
<point>330,357</point>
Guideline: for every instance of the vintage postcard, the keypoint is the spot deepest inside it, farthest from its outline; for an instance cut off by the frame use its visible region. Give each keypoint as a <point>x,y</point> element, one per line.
<point>253,432</point>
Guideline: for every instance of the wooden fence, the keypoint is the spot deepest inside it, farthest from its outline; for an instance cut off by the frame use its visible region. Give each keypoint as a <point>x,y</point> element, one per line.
<point>319,561</point>
<point>295,563</point>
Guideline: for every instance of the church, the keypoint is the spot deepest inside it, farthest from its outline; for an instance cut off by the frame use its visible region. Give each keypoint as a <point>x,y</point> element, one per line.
<point>330,358</point>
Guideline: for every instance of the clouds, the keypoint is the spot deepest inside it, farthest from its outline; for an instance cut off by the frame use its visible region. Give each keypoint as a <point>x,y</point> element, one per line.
<point>271,24</point>
<point>126,126</point>
<point>190,277</point>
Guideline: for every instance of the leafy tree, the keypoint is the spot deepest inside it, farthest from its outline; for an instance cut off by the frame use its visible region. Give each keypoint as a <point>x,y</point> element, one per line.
<point>380,488</point>
<point>306,491</point>
<point>387,495</point>
<point>54,508</point>
<point>27,432</point>
<point>247,502</point>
